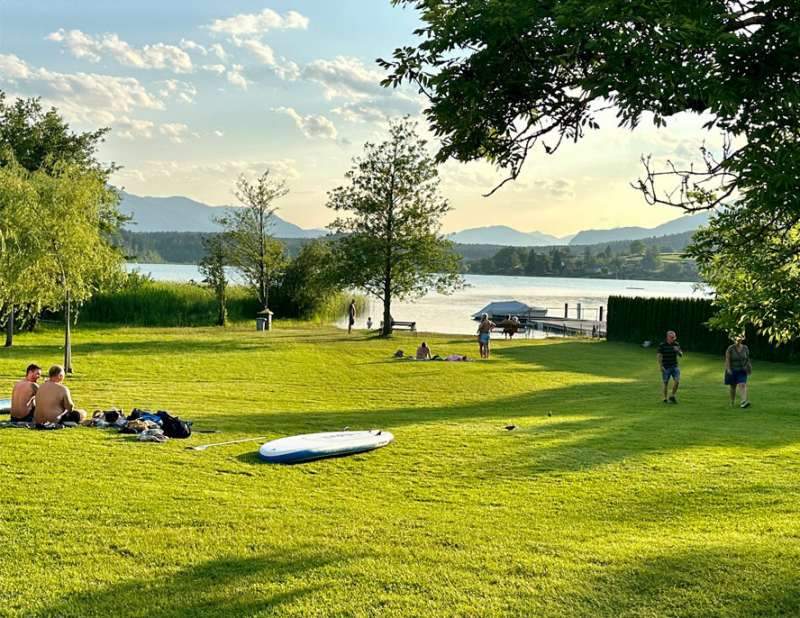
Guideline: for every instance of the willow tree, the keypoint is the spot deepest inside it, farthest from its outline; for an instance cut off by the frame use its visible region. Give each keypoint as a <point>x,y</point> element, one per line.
<point>251,247</point>
<point>34,138</point>
<point>390,243</point>
<point>19,245</point>
<point>74,212</point>
<point>510,78</point>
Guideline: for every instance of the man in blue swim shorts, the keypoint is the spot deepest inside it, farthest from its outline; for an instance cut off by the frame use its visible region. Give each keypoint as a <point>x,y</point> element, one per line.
<point>485,335</point>
<point>667,355</point>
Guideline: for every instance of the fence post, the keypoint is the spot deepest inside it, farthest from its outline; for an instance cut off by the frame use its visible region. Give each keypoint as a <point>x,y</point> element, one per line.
<point>566,310</point>
<point>601,313</point>
<point>579,311</point>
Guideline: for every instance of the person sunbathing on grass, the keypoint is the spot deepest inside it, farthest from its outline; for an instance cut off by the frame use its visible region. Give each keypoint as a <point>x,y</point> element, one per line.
<point>423,352</point>
<point>53,400</point>
<point>23,397</point>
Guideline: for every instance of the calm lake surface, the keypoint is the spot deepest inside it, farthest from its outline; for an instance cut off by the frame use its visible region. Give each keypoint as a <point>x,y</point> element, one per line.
<point>451,314</point>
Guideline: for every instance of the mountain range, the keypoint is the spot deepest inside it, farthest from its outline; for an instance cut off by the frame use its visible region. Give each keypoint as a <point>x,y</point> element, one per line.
<point>181,214</point>
<point>510,237</point>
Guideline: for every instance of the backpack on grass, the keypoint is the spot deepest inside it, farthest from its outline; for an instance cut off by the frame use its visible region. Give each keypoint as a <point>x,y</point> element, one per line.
<point>173,426</point>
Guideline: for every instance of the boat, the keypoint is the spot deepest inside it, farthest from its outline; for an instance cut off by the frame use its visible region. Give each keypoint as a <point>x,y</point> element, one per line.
<point>500,310</point>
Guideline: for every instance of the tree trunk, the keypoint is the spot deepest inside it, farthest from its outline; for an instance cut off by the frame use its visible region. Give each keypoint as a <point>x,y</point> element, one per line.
<point>10,328</point>
<point>387,315</point>
<point>68,336</point>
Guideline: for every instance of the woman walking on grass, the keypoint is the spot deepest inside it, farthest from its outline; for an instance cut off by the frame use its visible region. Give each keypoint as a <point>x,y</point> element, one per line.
<point>737,369</point>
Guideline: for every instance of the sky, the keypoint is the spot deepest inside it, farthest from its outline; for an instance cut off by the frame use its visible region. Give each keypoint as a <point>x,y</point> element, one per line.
<point>197,93</point>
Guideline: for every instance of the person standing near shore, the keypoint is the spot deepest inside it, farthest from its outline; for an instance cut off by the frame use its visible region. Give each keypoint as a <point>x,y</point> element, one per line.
<point>351,316</point>
<point>668,352</point>
<point>485,335</point>
<point>737,368</point>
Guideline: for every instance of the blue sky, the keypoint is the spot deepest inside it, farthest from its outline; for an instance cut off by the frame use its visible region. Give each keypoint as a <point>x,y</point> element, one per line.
<point>199,92</point>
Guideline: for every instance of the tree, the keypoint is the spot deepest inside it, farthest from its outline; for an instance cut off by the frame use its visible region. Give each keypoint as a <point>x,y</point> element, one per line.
<point>310,280</point>
<point>212,267</point>
<point>38,139</point>
<point>252,248</point>
<point>503,78</point>
<point>637,247</point>
<point>18,244</point>
<point>652,259</point>
<point>390,223</point>
<point>35,139</point>
<point>73,209</point>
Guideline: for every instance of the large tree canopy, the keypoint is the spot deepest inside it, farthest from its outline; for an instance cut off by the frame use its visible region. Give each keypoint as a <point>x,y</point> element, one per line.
<point>504,76</point>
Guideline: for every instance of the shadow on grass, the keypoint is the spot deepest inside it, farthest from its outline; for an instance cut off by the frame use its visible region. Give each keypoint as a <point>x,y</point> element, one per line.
<point>736,581</point>
<point>230,586</point>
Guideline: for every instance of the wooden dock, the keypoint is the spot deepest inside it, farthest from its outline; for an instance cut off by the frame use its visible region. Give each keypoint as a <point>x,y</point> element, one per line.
<point>567,327</point>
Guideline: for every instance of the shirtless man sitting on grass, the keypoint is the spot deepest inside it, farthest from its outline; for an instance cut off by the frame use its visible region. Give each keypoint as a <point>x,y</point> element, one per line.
<point>23,397</point>
<point>53,399</point>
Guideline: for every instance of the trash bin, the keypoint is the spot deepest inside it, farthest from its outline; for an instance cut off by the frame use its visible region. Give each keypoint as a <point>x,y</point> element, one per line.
<point>264,320</point>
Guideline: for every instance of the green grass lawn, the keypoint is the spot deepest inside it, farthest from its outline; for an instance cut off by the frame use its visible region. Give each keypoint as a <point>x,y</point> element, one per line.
<point>604,501</point>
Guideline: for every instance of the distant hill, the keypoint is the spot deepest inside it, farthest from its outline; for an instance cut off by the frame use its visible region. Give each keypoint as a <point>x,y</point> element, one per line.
<point>506,236</point>
<point>181,214</point>
<point>683,224</point>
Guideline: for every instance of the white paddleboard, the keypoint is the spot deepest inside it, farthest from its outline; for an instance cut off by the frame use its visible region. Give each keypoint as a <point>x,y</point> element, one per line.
<point>5,406</point>
<point>310,446</point>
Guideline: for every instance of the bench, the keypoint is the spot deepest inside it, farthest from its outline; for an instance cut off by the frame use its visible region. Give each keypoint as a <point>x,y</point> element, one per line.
<point>412,326</point>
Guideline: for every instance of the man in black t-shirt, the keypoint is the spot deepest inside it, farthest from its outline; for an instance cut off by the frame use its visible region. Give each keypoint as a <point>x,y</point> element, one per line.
<point>668,353</point>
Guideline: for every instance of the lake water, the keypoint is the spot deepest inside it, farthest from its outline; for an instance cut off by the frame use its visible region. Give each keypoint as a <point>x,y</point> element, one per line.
<point>451,314</point>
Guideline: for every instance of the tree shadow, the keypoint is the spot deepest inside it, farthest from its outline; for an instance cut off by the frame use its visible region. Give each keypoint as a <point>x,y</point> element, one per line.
<point>229,586</point>
<point>731,581</point>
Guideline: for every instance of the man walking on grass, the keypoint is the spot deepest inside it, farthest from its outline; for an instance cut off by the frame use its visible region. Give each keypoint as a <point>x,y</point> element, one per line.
<point>668,353</point>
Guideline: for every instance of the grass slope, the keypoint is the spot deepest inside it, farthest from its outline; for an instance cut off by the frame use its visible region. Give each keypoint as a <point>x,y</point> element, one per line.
<point>604,502</point>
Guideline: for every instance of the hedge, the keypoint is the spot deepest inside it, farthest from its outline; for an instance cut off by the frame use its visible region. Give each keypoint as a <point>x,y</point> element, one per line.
<point>635,320</point>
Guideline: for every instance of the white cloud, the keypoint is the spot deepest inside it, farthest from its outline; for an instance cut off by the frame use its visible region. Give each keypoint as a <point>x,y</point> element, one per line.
<point>312,126</point>
<point>219,133</point>
<point>175,131</point>
<point>261,51</point>
<point>345,77</point>
<point>93,49</point>
<point>219,69</point>
<point>283,68</point>
<point>13,68</point>
<point>219,51</point>
<point>259,23</point>
<point>131,128</point>
<point>380,109</point>
<point>236,77</point>
<point>190,45</point>
<point>183,91</point>
<point>80,96</point>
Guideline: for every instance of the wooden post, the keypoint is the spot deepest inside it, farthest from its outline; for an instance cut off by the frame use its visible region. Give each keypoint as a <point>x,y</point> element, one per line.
<point>68,336</point>
<point>601,313</point>
<point>566,310</point>
<point>579,312</point>
<point>10,328</point>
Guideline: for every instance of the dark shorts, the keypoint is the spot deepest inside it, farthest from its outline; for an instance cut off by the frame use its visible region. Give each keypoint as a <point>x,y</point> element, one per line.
<point>737,376</point>
<point>24,419</point>
<point>670,372</point>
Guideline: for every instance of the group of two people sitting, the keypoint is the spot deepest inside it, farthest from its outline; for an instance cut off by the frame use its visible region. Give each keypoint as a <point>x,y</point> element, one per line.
<point>50,402</point>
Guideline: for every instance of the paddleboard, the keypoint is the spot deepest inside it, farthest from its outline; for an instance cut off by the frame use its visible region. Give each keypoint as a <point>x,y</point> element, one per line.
<point>5,406</point>
<point>311,446</point>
